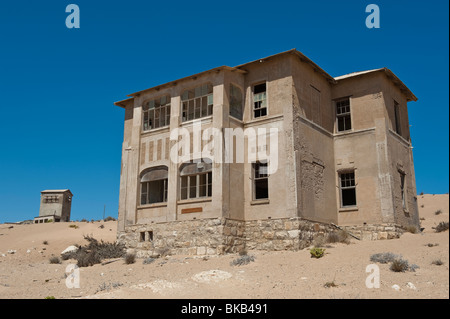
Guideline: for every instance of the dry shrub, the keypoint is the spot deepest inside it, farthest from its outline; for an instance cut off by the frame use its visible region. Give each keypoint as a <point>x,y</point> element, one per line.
<point>442,226</point>
<point>437,262</point>
<point>94,252</point>
<point>384,258</point>
<point>130,258</point>
<point>340,236</point>
<point>399,265</point>
<point>54,260</point>
<point>242,260</point>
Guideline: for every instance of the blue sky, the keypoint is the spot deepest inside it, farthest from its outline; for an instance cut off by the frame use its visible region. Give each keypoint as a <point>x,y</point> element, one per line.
<point>60,129</point>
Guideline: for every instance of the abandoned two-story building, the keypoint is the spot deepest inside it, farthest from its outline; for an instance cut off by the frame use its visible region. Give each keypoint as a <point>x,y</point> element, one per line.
<point>338,155</point>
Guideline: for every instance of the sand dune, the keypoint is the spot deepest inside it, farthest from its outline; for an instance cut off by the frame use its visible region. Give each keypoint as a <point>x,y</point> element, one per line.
<point>25,271</point>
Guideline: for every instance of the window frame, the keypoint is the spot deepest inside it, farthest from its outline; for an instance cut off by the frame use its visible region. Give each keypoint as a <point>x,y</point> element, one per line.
<point>343,115</point>
<point>403,190</point>
<point>192,173</point>
<point>146,113</point>
<point>397,118</point>
<point>265,107</point>
<point>165,188</point>
<point>341,188</point>
<point>233,107</point>
<point>192,102</point>
<point>259,178</point>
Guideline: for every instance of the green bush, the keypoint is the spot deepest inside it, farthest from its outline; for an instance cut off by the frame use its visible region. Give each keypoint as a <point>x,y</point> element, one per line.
<point>317,252</point>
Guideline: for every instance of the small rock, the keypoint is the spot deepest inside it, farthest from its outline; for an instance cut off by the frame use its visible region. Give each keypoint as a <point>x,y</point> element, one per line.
<point>396,287</point>
<point>410,285</point>
<point>28,251</point>
<point>69,249</point>
<point>11,251</point>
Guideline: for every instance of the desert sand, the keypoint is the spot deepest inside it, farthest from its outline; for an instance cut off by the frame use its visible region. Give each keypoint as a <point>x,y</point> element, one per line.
<point>25,270</point>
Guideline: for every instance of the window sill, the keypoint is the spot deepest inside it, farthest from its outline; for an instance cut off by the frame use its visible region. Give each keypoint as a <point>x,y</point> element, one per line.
<point>194,200</point>
<point>164,204</point>
<point>204,120</point>
<point>348,209</point>
<point>260,202</point>
<point>156,130</point>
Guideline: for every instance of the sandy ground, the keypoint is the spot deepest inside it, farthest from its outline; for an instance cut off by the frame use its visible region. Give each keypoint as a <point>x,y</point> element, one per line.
<point>27,272</point>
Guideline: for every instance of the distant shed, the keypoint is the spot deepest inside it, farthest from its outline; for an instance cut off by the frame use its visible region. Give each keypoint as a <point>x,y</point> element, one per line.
<point>55,206</point>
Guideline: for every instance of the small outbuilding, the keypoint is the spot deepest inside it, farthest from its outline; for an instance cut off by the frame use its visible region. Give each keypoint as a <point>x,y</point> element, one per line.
<point>55,206</point>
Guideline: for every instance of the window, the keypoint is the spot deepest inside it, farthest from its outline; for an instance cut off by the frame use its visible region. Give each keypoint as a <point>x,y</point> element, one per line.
<point>259,100</point>
<point>51,199</point>
<point>343,117</point>
<point>348,189</point>
<point>403,189</point>
<point>154,186</point>
<point>196,180</point>
<point>260,181</point>
<point>235,102</point>
<point>197,102</point>
<point>156,113</point>
<point>397,118</point>
<point>146,236</point>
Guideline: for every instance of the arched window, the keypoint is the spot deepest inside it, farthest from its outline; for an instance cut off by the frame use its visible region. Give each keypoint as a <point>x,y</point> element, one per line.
<point>235,102</point>
<point>156,113</point>
<point>197,102</point>
<point>196,179</point>
<point>154,185</point>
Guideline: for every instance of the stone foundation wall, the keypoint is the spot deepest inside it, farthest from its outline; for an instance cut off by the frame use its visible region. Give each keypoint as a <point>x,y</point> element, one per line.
<point>375,232</point>
<point>222,235</point>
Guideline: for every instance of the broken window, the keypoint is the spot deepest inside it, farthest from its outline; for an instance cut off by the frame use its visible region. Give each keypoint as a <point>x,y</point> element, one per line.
<point>154,186</point>
<point>197,102</point>
<point>260,181</point>
<point>403,189</point>
<point>259,100</point>
<point>196,180</point>
<point>398,129</point>
<point>347,188</point>
<point>343,116</point>
<point>235,102</point>
<point>156,113</point>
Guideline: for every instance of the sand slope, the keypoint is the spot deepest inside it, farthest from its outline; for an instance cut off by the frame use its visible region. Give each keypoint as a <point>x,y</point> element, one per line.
<point>28,274</point>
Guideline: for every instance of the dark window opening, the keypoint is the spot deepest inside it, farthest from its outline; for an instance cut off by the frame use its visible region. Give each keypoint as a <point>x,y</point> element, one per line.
<point>197,103</point>
<point>260,181</point>
<point>259,100</point>
<point>196,180</point>
<point>154,185</point>
<point>403,189</point>
<point>156,113</point>
<point>348,189</point>
<point>398,129</point>
<point>343,115</point>
<point>235,102</point>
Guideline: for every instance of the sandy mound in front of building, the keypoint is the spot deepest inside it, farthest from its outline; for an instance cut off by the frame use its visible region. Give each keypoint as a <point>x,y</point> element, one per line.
<point>25,271</point>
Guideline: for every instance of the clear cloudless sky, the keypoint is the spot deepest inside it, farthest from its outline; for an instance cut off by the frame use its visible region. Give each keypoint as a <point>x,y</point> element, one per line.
<point>59,128</point>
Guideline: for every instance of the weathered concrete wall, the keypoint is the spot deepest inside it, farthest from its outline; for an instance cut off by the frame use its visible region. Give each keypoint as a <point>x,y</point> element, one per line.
<point>400,154</point>
<point>313,144</point>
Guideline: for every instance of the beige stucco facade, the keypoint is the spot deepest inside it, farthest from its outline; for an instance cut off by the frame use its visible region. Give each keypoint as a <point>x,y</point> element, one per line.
<point>310,148</point>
